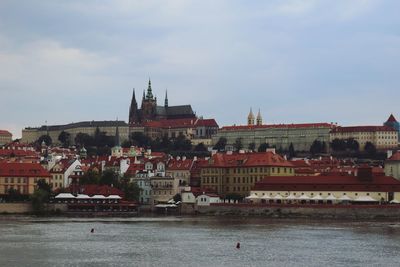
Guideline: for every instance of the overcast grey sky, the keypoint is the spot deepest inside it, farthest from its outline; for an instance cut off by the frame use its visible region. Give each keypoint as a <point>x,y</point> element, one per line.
<point>298,61</point>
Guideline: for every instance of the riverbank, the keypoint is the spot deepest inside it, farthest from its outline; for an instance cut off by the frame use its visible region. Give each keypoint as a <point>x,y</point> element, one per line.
<point>358,212</point>
<point>303,211</point>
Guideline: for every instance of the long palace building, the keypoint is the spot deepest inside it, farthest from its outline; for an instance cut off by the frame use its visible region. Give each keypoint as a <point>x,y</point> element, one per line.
<point>151,119</point>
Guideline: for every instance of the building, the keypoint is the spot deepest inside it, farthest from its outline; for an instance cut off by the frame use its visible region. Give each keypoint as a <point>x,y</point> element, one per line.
<point>22,177</point>
<point>157,121</point>
<point>279,136</point>
<point>180,169</point>
<point>382,137</point>
<point>198,129</point>
<point>151,111</point>
<point>5,137</point>
<point>392,166</point>
<point>393,123</point>
<point>236,173</point>
<point>30,135</point>
<point>163,189</point>
<point>363,187</point>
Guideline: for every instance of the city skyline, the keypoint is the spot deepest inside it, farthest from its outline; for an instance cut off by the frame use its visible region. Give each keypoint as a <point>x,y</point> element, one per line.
<point>298,61</point>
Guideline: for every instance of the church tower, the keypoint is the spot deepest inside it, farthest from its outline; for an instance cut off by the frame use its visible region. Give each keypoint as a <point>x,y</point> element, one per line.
<point>149,105</point>
<point>133,110</point>
<point>250,118</point>
<point>259,118</point>
<point>166,99</point>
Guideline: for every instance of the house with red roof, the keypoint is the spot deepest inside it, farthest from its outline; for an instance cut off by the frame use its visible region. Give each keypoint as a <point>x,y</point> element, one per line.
<point>180,168</point>
<point>22,177</point>
<point>392,165</point>
<point>236,173</point>
<point>362,187</point>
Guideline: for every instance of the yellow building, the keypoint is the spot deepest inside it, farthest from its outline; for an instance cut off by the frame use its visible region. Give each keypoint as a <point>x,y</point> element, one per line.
<point>5,137</point>
<point>236,173</point>
<point>382,137</point>
<point>22,177</point>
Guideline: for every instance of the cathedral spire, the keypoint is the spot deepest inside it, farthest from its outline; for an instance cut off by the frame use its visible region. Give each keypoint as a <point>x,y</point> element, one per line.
<point>149,91</point>
<point>166,99</point>
<point>133,108</point>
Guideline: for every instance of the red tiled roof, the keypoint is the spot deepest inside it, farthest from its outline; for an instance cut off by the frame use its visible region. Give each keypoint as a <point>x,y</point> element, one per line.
<point>14,169</point>
<point>352,129</point>
<point>175,164</point>
<point>93,189</point>
<point>181,123</point>
<point>395,157</point>
<point>4,132</point>
<point>391,118</point>
<point>207,123</point>
<point>17,153</point>
<point>333,182</point>
<point>247,160</point>
<point>285,126</point>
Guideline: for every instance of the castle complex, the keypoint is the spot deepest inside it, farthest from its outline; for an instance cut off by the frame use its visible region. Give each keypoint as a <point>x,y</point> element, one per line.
<point>150,111</point>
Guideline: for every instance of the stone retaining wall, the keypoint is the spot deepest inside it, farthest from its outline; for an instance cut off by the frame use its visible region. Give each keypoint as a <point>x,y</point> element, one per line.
<point>338,211</point>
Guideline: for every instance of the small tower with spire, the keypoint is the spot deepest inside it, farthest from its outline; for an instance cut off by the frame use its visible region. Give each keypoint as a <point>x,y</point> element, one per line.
<point>166,99</point>
<point>259,118</point>
<point>250,118</point>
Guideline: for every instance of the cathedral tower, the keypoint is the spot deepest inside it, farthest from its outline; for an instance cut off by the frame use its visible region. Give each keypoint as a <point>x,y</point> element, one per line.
<point>133,110</point>
<point>250,118</point>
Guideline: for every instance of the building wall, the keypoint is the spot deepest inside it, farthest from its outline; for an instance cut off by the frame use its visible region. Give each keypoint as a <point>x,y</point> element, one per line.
<point>376,195</point>
<point>25,185</point>
<point>392,168</point>
<point>5,139</point>
<point>380,139</point>
<point>238,180</point>
<point>280,137</point>
<point>31,135</point>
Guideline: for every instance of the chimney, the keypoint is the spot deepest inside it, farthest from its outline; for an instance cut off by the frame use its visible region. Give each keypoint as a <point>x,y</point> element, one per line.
<point>389,153</point>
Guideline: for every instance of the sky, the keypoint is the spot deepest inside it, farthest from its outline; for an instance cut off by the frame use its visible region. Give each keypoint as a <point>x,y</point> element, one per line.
<point>296,61</point>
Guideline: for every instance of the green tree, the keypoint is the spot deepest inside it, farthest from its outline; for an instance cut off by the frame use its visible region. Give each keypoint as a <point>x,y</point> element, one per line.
<point>292,152</point>
<point>83,139</point>
<point>140,139</point>
<point>352,144</point>
<point>263,147</point>
<point>370,149</point>
<point>43,185</point>
<point>46,138</point>
<point>238,145</point>
<point>252,146</point>
<point>221,144</point>
<point>200,147</point>
<point>317,147</point>
<point>338,145</point>
<point>181,143</point>
<point>90,177</point>
<point>13,195</point>
<point>130,189</point>
<point>38,199</point>
<point>64,138</point>
<point>109,177</point>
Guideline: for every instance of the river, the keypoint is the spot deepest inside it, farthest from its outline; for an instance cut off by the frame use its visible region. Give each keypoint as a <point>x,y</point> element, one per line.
<point>202,241</point>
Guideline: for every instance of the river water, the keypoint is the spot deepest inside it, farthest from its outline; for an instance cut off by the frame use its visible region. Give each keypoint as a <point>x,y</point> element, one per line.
<point>202,241</point>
